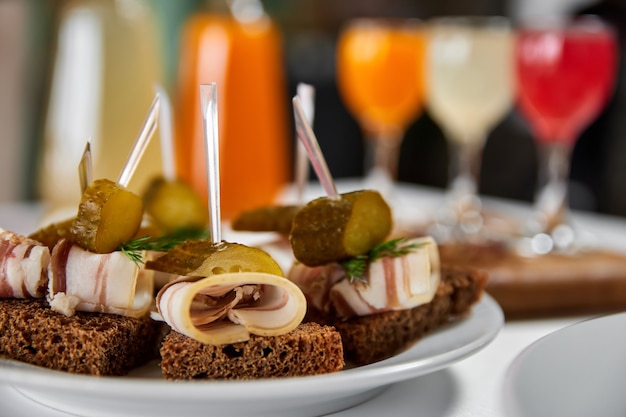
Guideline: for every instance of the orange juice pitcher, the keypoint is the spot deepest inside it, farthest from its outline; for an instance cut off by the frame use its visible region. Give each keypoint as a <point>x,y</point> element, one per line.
<point>244,59</point>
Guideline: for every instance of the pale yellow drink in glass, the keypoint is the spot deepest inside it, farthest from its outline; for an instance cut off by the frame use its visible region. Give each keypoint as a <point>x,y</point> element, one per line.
<point>471,83</point>
<point>106,68</point>
<point>470,79</point>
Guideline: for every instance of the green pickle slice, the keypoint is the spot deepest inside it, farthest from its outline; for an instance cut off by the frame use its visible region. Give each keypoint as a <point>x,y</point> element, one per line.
<point>51,234</point>
<point>174,205</point>
<point>108,215</point>
<point>266,219</point>
<point>330,230</point>
<point>203,258</point>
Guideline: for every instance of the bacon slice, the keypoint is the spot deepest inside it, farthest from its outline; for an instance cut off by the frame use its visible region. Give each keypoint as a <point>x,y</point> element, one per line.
<point>107,283</point>
<point>23,266</point>
<point>390,283</point>
<point>227,308</point>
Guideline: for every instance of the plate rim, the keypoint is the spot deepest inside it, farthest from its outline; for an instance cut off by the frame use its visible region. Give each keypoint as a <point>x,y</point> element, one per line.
<point>509,398</point>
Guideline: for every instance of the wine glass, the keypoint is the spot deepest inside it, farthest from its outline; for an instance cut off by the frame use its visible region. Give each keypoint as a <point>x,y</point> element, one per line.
<point>470,74</point>
<point>566,73</point>
<point>379,75</point>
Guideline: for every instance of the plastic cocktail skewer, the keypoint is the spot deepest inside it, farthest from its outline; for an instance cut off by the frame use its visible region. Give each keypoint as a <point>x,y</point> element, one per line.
<point>306,135</point>
<point>306,93</point>
<point>208,99</point>
<point>166,133</point>
<point>85,167</point>
<point>146,132</point>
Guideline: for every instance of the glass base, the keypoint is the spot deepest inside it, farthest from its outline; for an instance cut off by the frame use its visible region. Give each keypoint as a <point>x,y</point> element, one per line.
<point>541,235</point>
<point>459,220</point>
<point>378,179</point>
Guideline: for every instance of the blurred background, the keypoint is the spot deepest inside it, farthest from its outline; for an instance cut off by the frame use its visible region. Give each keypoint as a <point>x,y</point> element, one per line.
<point>37,103</point>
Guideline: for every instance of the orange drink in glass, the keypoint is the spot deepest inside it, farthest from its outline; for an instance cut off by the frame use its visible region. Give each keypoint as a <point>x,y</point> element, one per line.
<point>380,78</point>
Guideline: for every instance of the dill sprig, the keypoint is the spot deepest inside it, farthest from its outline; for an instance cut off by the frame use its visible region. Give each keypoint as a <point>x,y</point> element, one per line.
<point>134,248</point>
<point>357,266</point>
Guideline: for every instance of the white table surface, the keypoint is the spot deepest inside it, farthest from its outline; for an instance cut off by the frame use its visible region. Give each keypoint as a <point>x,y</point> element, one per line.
<point>469,388</point>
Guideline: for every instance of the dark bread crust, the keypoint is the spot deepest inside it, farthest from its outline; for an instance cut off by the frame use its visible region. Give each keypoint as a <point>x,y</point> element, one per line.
<point>376,337</point>
<point>307,350</point>
<point>86,343</point>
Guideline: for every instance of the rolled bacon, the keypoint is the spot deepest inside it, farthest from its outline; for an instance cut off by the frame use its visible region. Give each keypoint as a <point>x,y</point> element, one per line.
<point>390,283</point>
<point>23,266</point>
<point>227,308</point>
<point>107,283</point>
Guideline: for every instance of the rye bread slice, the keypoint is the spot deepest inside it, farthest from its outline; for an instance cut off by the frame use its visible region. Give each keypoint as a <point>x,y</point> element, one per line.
<point>309,349</point>
<point>372,338</point>
<point>86,343</point>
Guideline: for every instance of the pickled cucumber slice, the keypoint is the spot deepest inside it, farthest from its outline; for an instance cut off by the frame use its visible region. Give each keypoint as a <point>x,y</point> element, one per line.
<point>266,219</point>
<point>51,234</point>
<point>203,258</point>
<point>329,230</point>
<point>174,205</point>
<point>108,215</point>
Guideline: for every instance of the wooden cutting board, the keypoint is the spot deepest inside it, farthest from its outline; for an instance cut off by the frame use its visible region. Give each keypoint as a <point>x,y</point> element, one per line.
<point>548,285</point>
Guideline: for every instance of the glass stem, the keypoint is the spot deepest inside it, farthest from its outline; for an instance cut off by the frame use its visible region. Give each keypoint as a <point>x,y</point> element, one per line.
<point>382,161</point>
<point>460,218</point>
<point>553,178</point>
<point>465,168</point>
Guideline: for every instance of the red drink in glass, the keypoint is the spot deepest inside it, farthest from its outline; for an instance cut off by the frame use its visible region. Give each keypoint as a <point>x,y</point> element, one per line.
<point>565,78</point>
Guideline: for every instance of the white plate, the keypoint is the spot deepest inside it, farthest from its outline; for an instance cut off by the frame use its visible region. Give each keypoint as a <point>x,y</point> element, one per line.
<point>144,393</point>
<point>577,371</point>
